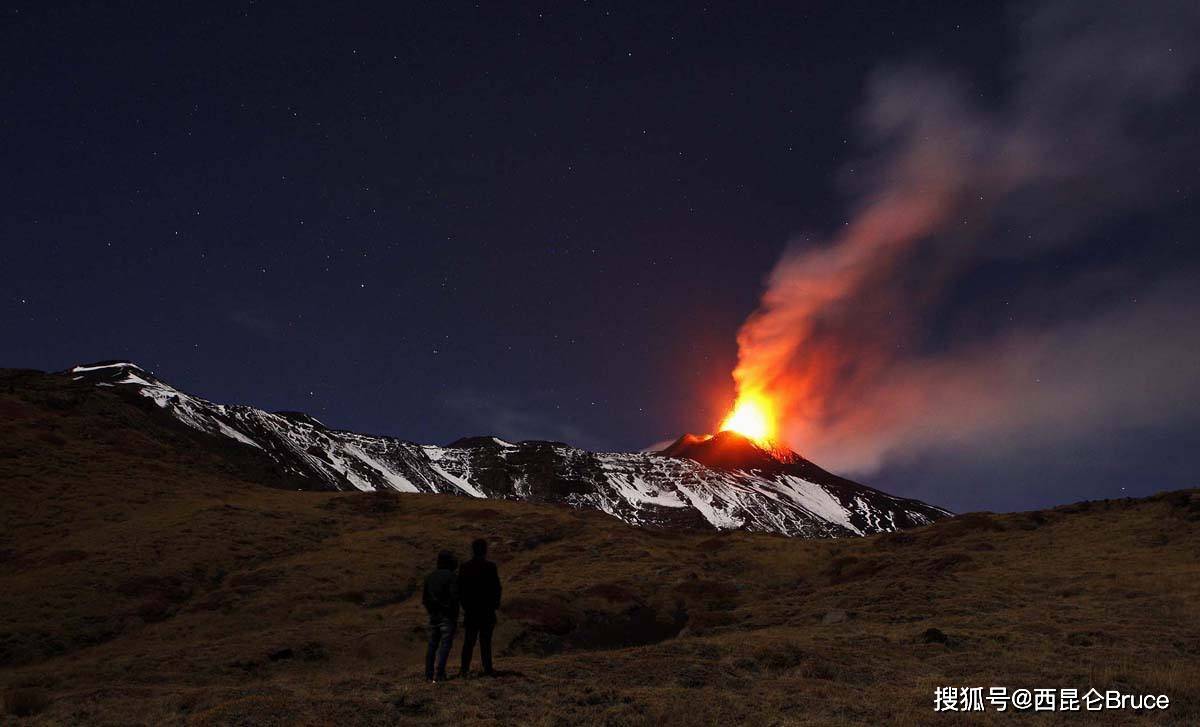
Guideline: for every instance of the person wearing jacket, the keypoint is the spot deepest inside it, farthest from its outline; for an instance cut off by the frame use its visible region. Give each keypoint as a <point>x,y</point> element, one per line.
<point>441,603</point>
<point>479,589</point>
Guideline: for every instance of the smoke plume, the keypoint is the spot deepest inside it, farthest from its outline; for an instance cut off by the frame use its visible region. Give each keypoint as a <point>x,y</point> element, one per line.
<point>999,280</point>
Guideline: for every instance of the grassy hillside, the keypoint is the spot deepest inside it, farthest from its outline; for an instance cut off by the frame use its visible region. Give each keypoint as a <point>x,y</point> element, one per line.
<point>145,577</point>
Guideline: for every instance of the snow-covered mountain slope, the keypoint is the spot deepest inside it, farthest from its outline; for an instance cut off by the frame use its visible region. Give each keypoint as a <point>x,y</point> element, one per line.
<point>725,482</point>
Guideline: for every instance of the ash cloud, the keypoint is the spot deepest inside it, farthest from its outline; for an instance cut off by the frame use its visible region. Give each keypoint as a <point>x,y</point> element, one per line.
<point>1003,280</point>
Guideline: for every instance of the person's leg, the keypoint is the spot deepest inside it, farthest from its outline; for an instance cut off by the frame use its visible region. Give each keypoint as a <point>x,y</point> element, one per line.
<point>485,643</point>
<point>470,632</point>
<point>443,651</point>
<point>435,636</point>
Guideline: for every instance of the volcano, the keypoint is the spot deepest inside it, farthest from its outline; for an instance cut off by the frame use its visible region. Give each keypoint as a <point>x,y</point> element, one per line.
<point>729,450</point>
<point>721,482</point>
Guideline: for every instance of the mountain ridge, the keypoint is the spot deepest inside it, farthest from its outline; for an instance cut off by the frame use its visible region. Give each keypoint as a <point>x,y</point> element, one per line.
<point>724,482</point>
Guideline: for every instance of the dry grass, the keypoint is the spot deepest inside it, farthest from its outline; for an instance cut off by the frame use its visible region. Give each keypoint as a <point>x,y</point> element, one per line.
<point>145,581</point>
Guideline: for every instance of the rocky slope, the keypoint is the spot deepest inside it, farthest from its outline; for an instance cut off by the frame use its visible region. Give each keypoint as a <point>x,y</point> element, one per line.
<point>725,482</point>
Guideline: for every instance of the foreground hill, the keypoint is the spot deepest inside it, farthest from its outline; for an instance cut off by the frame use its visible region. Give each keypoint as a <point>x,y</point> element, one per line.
<point>745,487</point>
<point>147,580</point>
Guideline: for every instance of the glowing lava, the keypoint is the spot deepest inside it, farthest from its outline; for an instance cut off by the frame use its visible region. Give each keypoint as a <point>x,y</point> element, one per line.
<point>752,417</point>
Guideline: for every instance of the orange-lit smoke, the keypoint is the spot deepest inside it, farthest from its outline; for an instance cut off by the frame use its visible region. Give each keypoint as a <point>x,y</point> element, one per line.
<point>840,348</point>
<point>784,355</point>
<point>783,369</point>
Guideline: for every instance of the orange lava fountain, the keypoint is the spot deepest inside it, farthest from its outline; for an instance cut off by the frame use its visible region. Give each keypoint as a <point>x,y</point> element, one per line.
<point>753,417</point>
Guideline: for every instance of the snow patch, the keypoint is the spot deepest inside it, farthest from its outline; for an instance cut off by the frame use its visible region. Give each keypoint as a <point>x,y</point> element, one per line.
<point>121,364</point>
<point>459,482</point>
<point>817,500</point>
<point>394,480</point>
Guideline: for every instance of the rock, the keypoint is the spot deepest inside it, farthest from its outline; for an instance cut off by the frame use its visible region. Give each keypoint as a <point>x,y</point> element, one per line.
<point>281,654</point>
<point>835,616</point>
<point>935,636</point>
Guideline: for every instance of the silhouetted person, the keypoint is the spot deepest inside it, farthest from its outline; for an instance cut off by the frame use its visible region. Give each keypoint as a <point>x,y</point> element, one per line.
<point>441,602</point>
<point>479,589</point>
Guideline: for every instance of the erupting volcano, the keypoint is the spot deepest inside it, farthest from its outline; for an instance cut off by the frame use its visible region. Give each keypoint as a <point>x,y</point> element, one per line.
<point>753,417</point>
<point>723,481</point>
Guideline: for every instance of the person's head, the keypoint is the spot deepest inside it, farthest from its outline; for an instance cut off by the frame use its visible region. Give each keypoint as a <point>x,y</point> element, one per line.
<point>447,561</point>
<point>479,548</point>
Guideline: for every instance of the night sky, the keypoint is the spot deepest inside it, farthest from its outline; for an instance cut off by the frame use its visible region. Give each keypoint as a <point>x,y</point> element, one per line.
<point>432,220</point>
